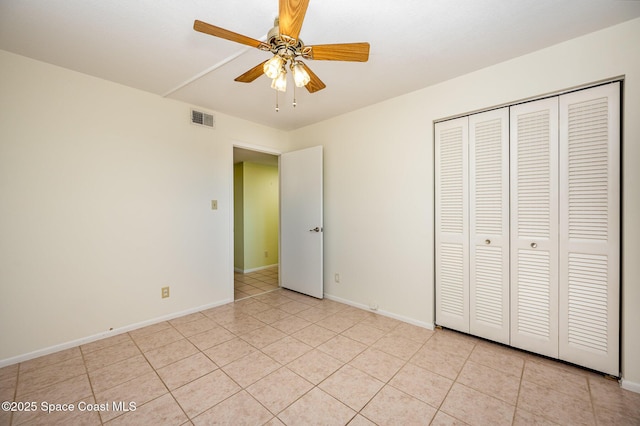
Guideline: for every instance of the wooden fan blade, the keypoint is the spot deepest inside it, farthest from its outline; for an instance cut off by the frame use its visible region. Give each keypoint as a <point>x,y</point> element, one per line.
<point>252,74</point>
<point>357,52</point>
<point>315,84</point>
<point>203,27</point>
<point>291,16</point>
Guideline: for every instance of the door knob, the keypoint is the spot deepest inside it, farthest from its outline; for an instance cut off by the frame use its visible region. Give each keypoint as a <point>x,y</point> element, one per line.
<point>534,245</point>
<point>316,229</point>
<point>487,241</point>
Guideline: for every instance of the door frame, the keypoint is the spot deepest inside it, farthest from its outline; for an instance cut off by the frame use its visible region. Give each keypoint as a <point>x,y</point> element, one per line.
<point>248,147</point>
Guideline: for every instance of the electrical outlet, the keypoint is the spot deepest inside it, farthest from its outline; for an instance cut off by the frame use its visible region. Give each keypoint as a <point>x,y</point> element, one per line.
<point>214,204</point>
<point>266,253</point>
<point>336,277</point>
<point>165,292</point>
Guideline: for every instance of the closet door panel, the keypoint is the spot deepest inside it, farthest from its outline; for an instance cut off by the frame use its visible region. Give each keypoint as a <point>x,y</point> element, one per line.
<point>534,226</point>
<point>452,224</point>
<point>489,224</point>
<point>590,227</point>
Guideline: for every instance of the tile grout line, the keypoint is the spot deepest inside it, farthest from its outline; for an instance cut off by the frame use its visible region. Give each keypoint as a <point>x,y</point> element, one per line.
<point>155,370</point>
<point>515,411</point>
<point>86,369</point>
<point>15,392</point>
<point>455,380</point>
<point>270,304</point>
<point>387,383</point>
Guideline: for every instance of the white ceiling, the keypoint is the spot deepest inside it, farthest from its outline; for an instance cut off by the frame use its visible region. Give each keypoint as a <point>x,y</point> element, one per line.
<point>246,155</point>
<point>151,45</point>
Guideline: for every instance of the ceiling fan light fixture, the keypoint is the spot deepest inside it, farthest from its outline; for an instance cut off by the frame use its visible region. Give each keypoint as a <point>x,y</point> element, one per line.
<point>273,66</point>
<point>280,82</point>
<point>284,44</point>
<point>300,75</point>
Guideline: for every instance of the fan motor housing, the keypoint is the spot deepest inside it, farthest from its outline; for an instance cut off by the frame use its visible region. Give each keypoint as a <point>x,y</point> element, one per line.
<point>283,45</point>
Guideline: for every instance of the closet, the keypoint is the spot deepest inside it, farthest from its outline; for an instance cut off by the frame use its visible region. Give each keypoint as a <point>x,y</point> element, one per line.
<point>527,226</point>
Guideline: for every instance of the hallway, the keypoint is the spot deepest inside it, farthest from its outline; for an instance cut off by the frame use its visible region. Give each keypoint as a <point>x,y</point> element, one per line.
<point>254,283</point>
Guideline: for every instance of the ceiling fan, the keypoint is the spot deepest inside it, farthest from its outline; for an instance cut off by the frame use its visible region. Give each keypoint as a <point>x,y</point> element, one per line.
<point>287,48</point>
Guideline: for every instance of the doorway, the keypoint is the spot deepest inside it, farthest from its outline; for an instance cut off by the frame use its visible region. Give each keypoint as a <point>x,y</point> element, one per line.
<point>256,222</point>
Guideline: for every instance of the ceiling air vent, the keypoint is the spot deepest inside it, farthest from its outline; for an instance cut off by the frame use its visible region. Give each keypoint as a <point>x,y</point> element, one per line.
<point>202,119</point>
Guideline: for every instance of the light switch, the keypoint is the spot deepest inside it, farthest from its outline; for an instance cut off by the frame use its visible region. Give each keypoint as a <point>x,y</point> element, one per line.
<point>214,204</point>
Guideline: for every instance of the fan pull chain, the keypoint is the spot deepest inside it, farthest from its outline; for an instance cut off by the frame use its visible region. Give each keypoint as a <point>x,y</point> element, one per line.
<point>277,107</point>
<point>294,96</point>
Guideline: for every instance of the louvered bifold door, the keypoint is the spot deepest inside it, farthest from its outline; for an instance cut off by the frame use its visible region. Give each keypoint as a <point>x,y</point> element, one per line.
<point>489,224</point>
<point>590,227</point>
<point>452,224</point>
<point>534,226</point>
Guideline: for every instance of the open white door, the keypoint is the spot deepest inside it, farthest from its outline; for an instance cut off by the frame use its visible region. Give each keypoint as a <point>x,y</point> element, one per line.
<point>301,221</point>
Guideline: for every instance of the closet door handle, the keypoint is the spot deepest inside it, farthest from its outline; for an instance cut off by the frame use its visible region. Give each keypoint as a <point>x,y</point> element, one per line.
<point>534,245</point>
<point>487,241</point>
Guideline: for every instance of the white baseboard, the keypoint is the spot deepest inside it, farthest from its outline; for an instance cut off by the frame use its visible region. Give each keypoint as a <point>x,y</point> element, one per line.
<point>362,306</point>
<point>629,385</point>
<point>625,384</point>
<point>105,334</point>
<point>260,268</point>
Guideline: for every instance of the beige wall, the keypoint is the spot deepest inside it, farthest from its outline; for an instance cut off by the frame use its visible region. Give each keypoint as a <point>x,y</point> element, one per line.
<point>105,197</point>
<point>379,185</point>
<point>105,194</point>
<point>238,216</point>
<point>256,216</point>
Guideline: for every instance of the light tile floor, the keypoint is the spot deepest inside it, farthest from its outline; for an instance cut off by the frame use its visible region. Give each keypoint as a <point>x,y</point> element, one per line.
<point>284,358</point>
<point>254,283</point>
